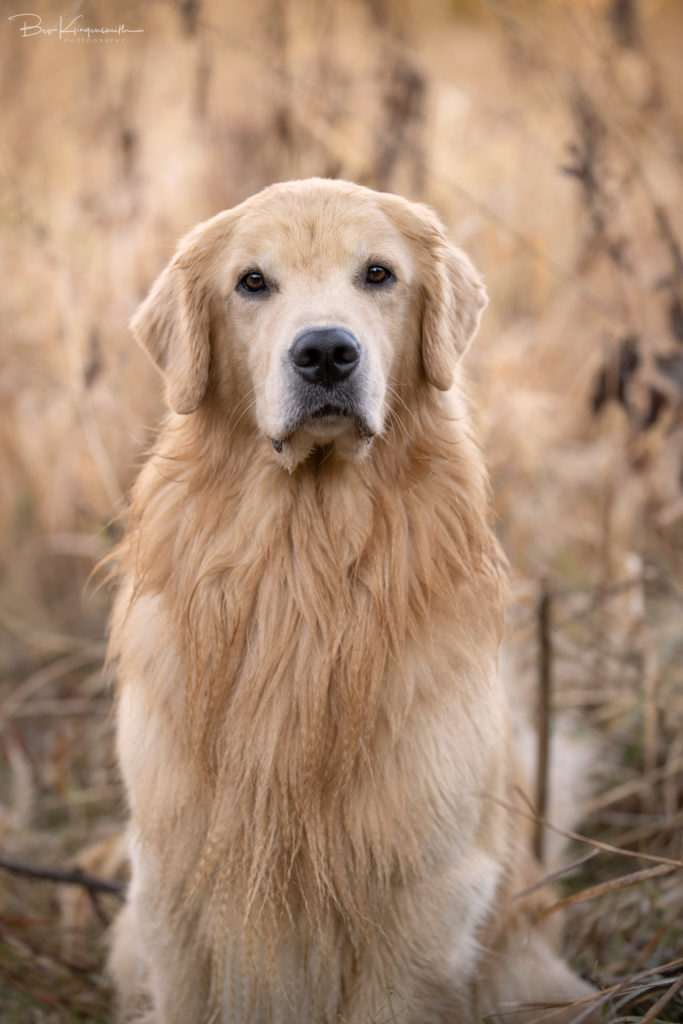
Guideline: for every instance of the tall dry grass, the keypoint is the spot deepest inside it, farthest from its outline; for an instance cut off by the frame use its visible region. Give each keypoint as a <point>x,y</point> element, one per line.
<point>549,137</point>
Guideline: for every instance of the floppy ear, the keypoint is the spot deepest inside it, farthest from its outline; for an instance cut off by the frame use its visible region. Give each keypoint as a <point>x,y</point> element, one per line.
<point>454,299</point>
<point>173,325</point>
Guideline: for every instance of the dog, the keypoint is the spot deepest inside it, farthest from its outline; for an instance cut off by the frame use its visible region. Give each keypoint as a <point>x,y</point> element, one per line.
<point>314,742</point>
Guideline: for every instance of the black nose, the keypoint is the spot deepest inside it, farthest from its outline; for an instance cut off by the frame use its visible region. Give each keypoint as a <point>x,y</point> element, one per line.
<point>325,355</point>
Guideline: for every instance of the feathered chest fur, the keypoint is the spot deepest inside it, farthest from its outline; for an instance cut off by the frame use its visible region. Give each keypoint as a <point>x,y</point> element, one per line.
<point>318,619</point>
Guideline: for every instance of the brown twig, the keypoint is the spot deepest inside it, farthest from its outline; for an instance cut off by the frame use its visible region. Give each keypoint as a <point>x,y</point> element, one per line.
<point>578,837</point>
<point>544,698</point>
<point>74,876</point>
<point>555,876</point>
<point>663,1001</point>
<point>613,884</point>
<point>596,1000</point>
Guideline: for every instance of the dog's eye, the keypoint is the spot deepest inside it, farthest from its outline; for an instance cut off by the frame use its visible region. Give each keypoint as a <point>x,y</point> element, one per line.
<point>253,282</point>
<point>377,275</point>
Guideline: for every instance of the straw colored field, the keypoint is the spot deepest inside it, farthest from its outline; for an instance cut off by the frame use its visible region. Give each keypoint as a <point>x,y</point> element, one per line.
<point>549,136</point>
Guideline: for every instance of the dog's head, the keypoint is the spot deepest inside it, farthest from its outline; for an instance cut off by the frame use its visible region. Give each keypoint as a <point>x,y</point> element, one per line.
<point>306,308</point>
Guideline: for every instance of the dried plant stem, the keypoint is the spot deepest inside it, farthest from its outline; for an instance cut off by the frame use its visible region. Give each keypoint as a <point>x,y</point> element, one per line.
<point>555,876</point>
<point>598,999</point>
<point>49,674</point>
<point>611,885</point>
<point>628,789</point>
<point>544,699</point>
<point>663,1001</point>
<point>650,714</point>
<point>596,843</point>
<point>74,876</point>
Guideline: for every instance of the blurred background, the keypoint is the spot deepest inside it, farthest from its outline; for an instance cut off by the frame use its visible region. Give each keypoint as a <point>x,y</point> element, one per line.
<point>548,135</point>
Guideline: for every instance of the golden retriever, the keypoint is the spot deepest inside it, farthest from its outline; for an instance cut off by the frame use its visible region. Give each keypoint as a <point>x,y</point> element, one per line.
<point>314,742</point>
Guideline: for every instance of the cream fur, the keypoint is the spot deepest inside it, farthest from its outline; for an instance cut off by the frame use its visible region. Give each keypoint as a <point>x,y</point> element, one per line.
<point>314,743</point>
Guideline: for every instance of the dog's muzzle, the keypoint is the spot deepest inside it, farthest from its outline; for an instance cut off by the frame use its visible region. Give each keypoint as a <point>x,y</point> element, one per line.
<point>327,386</point>
<point>328,382</point>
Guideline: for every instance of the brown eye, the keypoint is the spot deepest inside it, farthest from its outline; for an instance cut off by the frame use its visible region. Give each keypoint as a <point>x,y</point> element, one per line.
<point>254,282</point>
<point>377,275</point>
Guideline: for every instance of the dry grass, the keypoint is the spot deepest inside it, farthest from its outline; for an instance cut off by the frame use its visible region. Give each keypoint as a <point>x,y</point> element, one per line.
<point>550,138</point>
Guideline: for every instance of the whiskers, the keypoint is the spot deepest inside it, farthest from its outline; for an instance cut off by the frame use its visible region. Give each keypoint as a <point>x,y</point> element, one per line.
<point>244,406</point>
<point>396,422</point>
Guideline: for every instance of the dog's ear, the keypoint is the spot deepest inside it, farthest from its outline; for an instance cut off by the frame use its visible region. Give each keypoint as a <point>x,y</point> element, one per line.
<point>173,325</point>
<point>454,299</point>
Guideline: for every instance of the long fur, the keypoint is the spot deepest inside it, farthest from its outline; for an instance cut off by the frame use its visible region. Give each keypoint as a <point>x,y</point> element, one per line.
<point>314,741</point>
